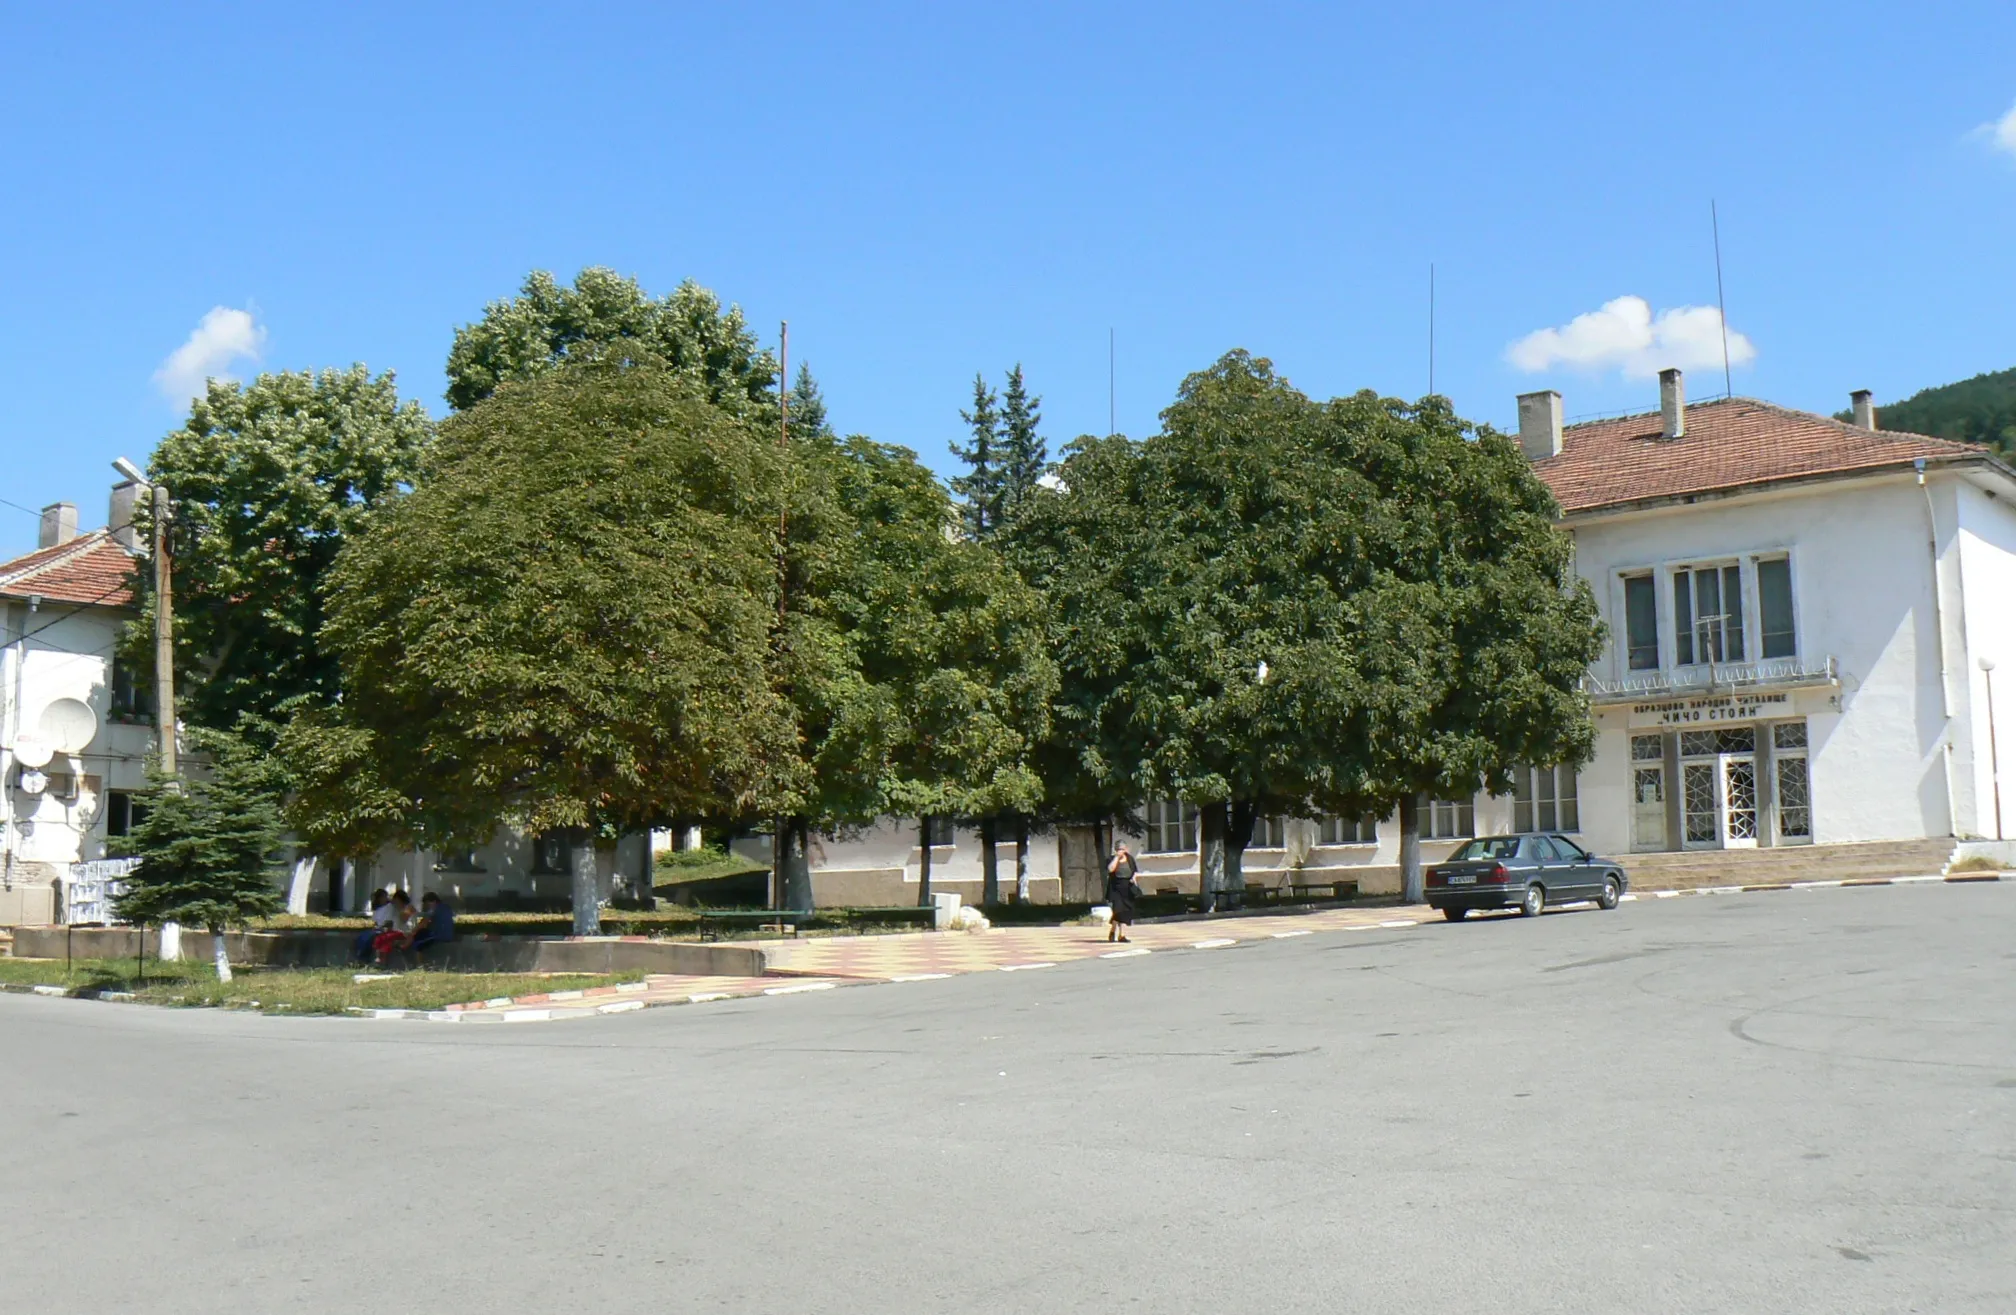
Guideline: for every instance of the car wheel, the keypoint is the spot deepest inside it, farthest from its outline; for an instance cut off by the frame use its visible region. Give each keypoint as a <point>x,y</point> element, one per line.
<point>1610,896</point>
<point>1455,914</point>
<point>1535,901</point>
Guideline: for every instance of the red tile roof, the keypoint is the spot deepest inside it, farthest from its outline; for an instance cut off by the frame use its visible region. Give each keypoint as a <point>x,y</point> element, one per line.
<point>1726,444</point>
<point>91,569</point>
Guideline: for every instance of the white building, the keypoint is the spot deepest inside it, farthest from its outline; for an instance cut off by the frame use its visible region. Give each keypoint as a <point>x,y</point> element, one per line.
<point>75,728</point>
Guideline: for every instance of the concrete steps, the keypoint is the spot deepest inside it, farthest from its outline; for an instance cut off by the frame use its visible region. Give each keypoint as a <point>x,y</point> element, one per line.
<point>1751,867</point>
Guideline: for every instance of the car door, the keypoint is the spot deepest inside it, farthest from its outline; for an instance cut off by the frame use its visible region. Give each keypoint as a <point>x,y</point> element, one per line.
<point>1579,872</point>
<point>1544,861</point>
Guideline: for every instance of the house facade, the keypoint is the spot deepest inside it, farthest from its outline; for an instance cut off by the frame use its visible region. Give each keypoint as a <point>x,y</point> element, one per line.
<point>75,725</point>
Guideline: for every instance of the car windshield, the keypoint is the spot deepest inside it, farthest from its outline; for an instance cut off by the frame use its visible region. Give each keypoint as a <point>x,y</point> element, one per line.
<point>1496,847</point>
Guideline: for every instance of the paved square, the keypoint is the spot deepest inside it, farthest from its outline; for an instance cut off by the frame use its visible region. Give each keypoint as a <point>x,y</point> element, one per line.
<point>1798,1101</point>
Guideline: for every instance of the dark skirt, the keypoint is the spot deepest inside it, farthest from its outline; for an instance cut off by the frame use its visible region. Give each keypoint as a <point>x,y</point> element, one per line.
<point>1120,895</point>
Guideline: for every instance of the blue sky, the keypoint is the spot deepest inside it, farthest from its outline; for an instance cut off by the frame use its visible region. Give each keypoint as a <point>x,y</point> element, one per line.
<point>927,191</point>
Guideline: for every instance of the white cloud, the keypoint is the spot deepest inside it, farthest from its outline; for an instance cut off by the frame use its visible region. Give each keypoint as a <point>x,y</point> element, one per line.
<point>224,337</point>
<point>1626,335</point>
<point>2001,134</point>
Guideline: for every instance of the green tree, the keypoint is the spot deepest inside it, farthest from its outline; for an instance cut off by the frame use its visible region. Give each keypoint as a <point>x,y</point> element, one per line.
<point>565,625</point>
<point>209,847</point>
<point>548,324</point>
<point>1276,606</point>
<point>980,488</point>
<point>1025,458</point>
<point>808,407</point>
<point>1977,410</point>
<point>270,479</point>
<point>913,659</point>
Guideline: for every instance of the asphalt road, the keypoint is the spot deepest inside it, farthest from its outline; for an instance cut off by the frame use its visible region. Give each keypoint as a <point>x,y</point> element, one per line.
<point>1789,1102</point>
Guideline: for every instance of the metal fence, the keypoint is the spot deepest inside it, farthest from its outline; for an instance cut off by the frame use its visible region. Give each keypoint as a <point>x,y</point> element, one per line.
<point>88,894</point>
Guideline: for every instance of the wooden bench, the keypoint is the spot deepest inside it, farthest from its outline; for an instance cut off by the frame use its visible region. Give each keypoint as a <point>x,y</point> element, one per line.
<point>1335,890</point>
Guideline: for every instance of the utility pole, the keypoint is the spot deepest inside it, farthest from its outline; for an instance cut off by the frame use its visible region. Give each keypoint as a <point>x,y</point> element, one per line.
<point>164,627</point>
<point>161,509</point>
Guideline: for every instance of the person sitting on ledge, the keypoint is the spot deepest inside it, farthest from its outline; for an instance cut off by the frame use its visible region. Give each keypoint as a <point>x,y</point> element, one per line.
<point>436,925</point>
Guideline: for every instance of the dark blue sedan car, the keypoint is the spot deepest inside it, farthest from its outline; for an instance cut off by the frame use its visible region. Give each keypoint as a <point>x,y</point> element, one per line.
<point>1526,873</point>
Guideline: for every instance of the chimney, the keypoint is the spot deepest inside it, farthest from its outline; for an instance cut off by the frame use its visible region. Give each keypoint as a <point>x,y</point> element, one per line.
<point>59,524</point>
<point>1540,424</point>
<point>1672,404</point>
<point>1864,407</point>
<point>119,519</point>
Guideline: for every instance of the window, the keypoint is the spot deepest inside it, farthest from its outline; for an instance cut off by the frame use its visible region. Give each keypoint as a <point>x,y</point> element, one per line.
<point>1729,739</point>
<point>457,860</point>
<point>1497,847</point>
<point>1541,848</point>
<point>1447,819</point>
<point>123,812</point>
<point>1543,799</point>
<point>1708,615</point>
<point>552,855</point>
<point>1774,603</point>
<point>1568,849</point>
<point>1347,831</point>
<point>1269,833</point>
<point>1789,735</point>
<point>1172,827</point>
<point>1648,748</point>
<point>131,701</point>
<point>1641,623</point>
<point>942,832</point>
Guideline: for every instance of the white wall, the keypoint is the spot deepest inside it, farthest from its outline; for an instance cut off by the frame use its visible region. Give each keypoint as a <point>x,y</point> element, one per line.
<point>1862,592</point>
<point>1987,567</point>
<point>66,654</point>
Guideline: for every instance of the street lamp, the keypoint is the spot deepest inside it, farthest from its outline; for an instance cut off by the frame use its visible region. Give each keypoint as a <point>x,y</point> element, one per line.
<point>160,508</point>
<point>1994,758</point>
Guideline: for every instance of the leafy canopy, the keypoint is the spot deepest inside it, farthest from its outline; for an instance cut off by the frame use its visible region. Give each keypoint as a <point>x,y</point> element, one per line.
<point>548,324</point>
<point>209,848</point>
<point>565,624</point>
<point>270,479</point>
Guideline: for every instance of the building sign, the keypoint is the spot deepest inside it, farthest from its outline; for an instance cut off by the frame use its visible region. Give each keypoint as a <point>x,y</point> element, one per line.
<point>1711,708</point>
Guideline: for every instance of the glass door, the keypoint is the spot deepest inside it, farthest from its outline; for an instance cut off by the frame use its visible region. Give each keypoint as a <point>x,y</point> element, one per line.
<point>1648,794</point>
<point>1739,801</point>
<point>1718,782</point>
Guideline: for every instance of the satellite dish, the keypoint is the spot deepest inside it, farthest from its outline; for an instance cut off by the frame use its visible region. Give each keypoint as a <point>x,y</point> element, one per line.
<point>33,750</point>
<point>33,782</point>
<point>69,725</point>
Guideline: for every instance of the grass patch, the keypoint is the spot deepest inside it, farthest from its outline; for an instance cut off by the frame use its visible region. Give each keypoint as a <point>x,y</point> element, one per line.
<point>1977,863</point>
<point>708,864</point>
<point>292,990</point>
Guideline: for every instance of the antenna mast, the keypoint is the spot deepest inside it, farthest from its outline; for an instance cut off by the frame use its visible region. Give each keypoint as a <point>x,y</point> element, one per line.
<point>1721,302</point>
<point>1112,425</point>
<point>1431,328</point>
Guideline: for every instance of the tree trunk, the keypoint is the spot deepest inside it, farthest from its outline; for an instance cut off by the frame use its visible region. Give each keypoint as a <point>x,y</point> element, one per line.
<point>1410,850</point>
<point>223,954</point>
<point>1213,821</point>
<point>924,862</point>
<point>1237,839</point>
<point>793,853</point>
<point>990,863</point>
<point>301,880</point>
<point>1021,858</point>
<point>583,887</point>
<point>605,874</point>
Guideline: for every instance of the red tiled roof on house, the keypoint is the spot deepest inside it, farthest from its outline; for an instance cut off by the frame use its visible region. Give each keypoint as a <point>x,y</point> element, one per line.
<point>1727,444</point>
<point>91,569</point>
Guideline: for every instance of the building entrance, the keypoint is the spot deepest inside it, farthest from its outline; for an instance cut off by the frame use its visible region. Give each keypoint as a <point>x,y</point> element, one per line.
<point>1718,782</point>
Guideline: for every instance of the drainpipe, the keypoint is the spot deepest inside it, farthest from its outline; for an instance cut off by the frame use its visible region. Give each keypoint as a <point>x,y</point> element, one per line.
<point>1939,639</point>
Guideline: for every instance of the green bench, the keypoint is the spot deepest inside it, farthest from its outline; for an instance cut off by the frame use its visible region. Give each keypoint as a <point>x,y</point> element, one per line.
<point>791,921</point>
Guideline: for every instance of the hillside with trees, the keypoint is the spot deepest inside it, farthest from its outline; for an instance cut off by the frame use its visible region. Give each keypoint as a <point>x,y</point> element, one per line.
<point>1977,410</point>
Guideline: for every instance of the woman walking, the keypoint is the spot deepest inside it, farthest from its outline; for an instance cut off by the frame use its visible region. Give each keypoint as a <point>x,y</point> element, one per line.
<point>1121,892</point>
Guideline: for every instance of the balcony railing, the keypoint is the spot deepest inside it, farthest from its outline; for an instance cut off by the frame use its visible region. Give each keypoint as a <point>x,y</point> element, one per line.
<point>1716,677</point>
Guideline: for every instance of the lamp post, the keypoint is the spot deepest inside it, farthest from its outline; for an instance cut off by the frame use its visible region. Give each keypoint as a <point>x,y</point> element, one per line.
<point>1994,757</point>
<point>160,509</point>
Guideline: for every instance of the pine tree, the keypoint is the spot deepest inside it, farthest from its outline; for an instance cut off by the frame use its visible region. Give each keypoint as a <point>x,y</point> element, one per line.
<point>1024,456</point>
<point>981,485</point>
<point>209,849</point>
<point>808,407</point>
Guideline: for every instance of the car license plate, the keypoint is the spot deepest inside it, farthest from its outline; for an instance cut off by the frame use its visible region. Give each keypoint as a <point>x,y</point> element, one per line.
<point>1462,878</point>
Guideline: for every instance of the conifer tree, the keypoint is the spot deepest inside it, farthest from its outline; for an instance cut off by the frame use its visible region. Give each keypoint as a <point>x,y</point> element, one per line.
<point>808,407</point>
<point>980,486</point>
<point>209,848</point>
<point>1024,456</point>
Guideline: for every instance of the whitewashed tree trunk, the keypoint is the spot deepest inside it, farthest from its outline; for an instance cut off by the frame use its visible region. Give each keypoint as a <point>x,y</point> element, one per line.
<point>301,880</point>
<point>223,954</point>
<point>1410,851</point>
<point>585,889</point>
<point>1021,859</point>
<point>170,947</point>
